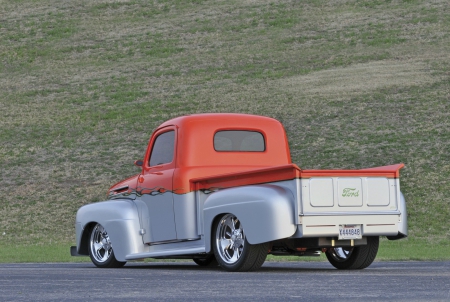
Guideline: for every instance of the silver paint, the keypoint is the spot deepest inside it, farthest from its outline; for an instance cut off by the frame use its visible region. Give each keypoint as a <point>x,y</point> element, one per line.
<point>268,212</point>
<point>119,218</point>
<point>161,217</point>
<point>265,211</point>
<point>403,218</point>
<point>185,216</point>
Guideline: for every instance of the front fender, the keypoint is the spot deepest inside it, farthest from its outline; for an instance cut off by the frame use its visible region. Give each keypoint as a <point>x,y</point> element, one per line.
<point>121,221</point>
<point>266,212</point>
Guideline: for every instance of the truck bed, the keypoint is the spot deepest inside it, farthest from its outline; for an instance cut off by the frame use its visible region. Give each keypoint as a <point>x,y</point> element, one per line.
<point>287,172</point>
<point>327,199</point>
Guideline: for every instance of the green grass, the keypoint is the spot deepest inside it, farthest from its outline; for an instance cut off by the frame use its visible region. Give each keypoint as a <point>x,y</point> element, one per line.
<point>414,249</point>
<point>38,253</point>
<point>404,250</point>
<point>83,84</point>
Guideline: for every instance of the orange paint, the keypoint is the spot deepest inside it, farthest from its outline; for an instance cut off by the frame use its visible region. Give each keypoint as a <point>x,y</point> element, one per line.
<point>392,171</point>
<point>197,165</point>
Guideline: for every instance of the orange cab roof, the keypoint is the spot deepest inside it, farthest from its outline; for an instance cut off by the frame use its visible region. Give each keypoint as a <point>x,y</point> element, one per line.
<point>195,135</point>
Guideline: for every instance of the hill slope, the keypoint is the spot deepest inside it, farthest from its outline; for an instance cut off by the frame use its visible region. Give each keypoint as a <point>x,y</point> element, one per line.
<point>83,84</point>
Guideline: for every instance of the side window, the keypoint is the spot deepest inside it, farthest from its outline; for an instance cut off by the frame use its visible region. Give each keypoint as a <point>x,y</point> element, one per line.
<point>239,140</point>
<point>163,149</point>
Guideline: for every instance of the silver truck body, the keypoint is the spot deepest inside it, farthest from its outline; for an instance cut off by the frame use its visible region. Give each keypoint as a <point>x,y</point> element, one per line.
<point>145,226</point>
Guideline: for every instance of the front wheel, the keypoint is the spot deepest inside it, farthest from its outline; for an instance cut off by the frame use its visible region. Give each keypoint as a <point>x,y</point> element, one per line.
<point>357,257</point>
<point>231,248</point>
<point>100,249</point>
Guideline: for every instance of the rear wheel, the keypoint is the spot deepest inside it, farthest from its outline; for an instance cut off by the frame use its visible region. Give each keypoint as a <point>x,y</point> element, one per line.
<point>357,257</point>
<point>100,249</point>
<point>231,248</point>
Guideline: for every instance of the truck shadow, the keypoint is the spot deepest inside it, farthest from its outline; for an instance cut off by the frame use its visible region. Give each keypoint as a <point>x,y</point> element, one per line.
<point>267,268</point>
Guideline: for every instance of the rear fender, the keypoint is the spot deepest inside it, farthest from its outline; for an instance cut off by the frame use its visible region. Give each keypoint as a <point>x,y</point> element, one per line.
<point>121,221</point>
<point>266,212</point>
<point>403,220</point>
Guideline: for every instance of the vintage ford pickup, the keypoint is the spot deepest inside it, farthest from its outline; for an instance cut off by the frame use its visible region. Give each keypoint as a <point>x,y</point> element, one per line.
<point>221,189</point>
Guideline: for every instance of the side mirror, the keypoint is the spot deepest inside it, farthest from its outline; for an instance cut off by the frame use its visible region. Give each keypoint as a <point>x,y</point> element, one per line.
<point>139,163</point>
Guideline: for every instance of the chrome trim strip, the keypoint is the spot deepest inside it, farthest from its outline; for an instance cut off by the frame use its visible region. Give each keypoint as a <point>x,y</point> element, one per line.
<point>169,252</point>
<point>349,213</point>
<point>171,241</point>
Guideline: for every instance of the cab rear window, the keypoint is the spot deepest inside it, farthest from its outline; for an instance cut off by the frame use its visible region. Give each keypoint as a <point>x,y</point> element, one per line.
<point>239,141</point>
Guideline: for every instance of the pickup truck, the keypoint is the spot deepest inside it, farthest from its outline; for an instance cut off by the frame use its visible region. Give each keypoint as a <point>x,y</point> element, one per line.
<point>221,189</point>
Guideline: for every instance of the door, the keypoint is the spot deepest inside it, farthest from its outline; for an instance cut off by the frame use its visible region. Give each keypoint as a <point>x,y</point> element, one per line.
<point>155,186</point>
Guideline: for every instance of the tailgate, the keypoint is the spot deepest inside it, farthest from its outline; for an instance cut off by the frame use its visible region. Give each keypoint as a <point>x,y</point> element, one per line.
<point>369,198</point>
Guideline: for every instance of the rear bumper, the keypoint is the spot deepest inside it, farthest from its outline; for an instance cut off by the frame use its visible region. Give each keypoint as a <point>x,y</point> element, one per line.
<point>328,226</point>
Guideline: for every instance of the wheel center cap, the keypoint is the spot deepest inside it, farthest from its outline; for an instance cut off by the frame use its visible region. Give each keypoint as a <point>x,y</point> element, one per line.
<point>105,244</point>
<point>236,235</point>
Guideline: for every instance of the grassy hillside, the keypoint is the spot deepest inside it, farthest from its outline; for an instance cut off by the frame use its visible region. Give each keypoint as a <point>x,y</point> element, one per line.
<point>83,84</point>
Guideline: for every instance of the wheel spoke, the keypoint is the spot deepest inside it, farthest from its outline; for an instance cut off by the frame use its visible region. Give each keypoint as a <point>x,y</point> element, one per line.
<point>239,252</point>
<point>99,230</point>
<point>105,256</point>
<point>225,243</point>
<point>97,246</point>
<point>230,224</point>
<point>235,256</point>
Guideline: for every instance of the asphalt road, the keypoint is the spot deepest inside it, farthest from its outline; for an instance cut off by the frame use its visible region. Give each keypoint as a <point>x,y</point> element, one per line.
<point>300,281</point>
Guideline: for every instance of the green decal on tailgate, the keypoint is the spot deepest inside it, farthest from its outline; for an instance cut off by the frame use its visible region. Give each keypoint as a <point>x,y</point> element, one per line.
<point>350,192</point>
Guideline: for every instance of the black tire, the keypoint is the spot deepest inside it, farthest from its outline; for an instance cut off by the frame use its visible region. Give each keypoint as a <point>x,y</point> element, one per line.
<point>231,248</point>
<point>358,257</point>
<point>100,249</point>
<point>209,260</point>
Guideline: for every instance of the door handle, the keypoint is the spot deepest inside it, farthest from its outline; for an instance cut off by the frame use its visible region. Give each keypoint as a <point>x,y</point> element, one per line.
<point>156,173</point>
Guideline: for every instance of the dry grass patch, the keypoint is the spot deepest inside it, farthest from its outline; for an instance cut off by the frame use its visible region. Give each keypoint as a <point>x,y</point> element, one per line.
<point>343,82</point>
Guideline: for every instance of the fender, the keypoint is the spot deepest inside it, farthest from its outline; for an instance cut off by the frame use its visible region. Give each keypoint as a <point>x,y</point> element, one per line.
<point>403,220</point>
<point>121,221</point>
<point>266,212</point>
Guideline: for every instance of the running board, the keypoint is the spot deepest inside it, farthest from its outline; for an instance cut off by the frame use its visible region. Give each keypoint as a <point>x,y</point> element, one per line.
<point>162,253</point>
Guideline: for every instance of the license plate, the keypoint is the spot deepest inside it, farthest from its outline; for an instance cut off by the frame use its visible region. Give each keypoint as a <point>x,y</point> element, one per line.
<point>347,231</point>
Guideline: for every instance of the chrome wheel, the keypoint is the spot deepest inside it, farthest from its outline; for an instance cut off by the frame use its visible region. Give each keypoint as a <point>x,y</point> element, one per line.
<point>231,248</point>
<point>340,254</point>
<point>230,239</point>
<point>357,257</point>
<point>100,249</point>
<point>100,244</point>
